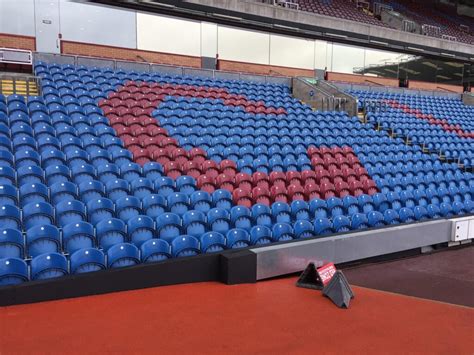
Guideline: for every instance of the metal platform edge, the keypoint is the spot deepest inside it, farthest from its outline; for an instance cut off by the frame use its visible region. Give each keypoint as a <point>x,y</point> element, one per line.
<point>293,257</point>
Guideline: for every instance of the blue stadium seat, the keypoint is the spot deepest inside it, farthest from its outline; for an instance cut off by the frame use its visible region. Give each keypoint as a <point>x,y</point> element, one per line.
<point>152,170</point>
<point>48,266</point>
<point>406,215</point>
<point>186,184</point>
<point>108,172</point>
<point>237,238</point>
<point>300,210</point>
<point>262,215</point>
<point>323,226</point>
<point>76,236</point>
<point>366,202</point>
<point>83,173</point>
<point>63,191</point>
<point>341,224</point>
<point>184,245</point>
<point>10,217</point>
<point>260,235</point>
<point>375,219</point>
<point>30,175</point>
<point>86,260</point>
<point>433,211</point>
<point>201,201</point>
<point>154,205</point>
<point>8,195</point>
<point>178,203</point>
<point>91,190</point>
<point>12,244</point>
<point>57,174</point>
<point>42,239</point>
<point>141,188</point>
<point>282,232</point>
<point>7,176</point>
<point>36,214</point>
<point>241,217</point>
<point>26,158</point>
<point>318,208</point>
<point>122,255</point>
<point>130,171</point>
<point>303,229</point>
<point>212,242</point>
<point>110,232</point>
<point>194,223</point>
<point>13,271</point>
<point>154,250</point>
<point>140,229</point>
<point>218,220</point>
<point>30,193</point>
<point>70,212</point>
<point>380,202</point>
<point>168,226</point>
<point>281,212</point>
<point>222,199</point>
<point>351,205</point>
<point>117,189</point>
<point>128,207</point>
<point>359,221</point>
<point>164,186</point>
<point>335,206</point>
<point>100,209</point>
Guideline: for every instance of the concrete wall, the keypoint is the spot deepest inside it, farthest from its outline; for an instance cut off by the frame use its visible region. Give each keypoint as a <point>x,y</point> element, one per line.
<point>421,85</point>
<point>17,17</point>
<point>305,18</point>
<point>361,79</point>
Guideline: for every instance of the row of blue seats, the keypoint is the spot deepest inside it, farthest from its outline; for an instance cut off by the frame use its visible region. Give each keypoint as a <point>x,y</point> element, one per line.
<point>54,69</point>
<point>49,263</point>
<point>110,230</point>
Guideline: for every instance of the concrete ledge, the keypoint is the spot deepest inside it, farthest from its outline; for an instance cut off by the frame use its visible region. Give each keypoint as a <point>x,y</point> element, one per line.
<point>324,26</point>
<point>293,257</point>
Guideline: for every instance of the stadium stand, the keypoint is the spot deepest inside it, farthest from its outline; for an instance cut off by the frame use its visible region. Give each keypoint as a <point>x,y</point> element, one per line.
<point>442,23</point>
<point>439,124</point>
<point>339,9</point>
<point>432,21</point>
<point>124,167</point>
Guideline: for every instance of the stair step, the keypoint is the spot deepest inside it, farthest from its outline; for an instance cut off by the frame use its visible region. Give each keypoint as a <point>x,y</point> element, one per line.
<point>19,87</point>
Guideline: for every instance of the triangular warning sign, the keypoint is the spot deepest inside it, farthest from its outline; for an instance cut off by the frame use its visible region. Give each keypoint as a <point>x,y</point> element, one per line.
<point>339,290</point>
<point>310,278</point>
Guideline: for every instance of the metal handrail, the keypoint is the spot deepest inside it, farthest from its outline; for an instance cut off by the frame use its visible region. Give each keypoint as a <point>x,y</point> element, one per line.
<point>211,73</point>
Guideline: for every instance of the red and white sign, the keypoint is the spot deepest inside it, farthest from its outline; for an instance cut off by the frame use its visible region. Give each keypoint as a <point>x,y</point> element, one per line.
<point>326,272</point>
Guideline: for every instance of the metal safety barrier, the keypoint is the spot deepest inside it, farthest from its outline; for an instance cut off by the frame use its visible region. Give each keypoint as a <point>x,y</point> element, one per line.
<point>116,64</point>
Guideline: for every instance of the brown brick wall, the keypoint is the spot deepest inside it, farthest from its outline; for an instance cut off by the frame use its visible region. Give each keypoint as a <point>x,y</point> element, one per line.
<point>228,65</point>
<point>68,47</point>
<point>362,79</point>
<point>421,85</point>
<point>17,42</point>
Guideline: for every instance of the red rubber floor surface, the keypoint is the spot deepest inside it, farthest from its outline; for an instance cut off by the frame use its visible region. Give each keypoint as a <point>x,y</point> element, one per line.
<point>272,317</point>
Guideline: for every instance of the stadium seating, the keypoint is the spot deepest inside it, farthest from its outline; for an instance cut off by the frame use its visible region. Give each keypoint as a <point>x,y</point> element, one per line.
<point>339,9</point>
<point>441,125</point>
<point>447,24</point>
<point>130,168</point>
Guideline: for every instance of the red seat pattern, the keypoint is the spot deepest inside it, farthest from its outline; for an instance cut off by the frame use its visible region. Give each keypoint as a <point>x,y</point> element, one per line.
<point>336,170</point>
<point>444,124</point>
